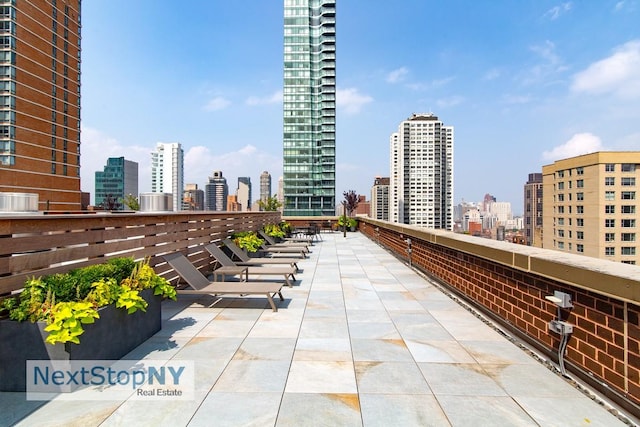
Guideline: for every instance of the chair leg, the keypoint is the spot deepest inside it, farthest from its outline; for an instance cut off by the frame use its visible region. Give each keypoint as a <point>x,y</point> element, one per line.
<point>271,303</point>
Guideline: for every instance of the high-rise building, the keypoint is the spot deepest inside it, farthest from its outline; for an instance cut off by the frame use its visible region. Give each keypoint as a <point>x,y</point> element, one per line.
<point>118,179</point>
<point>216,192</point>
<point>590,205</point>
<point>192,198</point>
<point>421,179</point>
<point>40,95</point>
<point>167,171</point>
<point>265,186</point>
<point>380,199</point>
<point>309,138</point>
<point>243,193</point>
<point>533,210</point>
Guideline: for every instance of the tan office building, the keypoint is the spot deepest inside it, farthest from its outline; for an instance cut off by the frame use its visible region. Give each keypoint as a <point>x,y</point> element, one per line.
<point>590,205</point>
<point>40,101</point>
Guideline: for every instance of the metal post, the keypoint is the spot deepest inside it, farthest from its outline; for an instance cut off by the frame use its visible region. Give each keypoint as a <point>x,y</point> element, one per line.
<point>344,213</point>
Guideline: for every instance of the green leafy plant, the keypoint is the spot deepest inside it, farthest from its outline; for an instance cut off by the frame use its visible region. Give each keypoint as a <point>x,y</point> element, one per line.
<point>66,301</point>
<point>274,230</point>
<point>66,320</point>
<point>286,227</point>
<point>248,240</point>
<point>270,204</point>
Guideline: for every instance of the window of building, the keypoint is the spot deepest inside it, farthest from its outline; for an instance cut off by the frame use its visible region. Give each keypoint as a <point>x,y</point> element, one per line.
<point>628,262</point>
<point>609,180</point>
<point>580,183</point>
<point>560,245</point>
<point>580,247</point>
<point>628,195</point>
<point>628,223</point>
<point>628,167</point>
<point>609,223</point>
<point>609,251</point>
<point>628,250</point>
<point>609,167</point>
<point>580,171</point>
<point>560,221</point>
<point>628,209</point>
<point>580,209</point>
<point>609,237</point>
<point>579,222</point>
<point>628,182</point>
<point>580,235</point>
<point>560,233</point>
<point>561,186</point>
<point>628,237</point>
<point>609,209</point>
<point>560,174</point>
<point>561,209</point>
<point>561,197</point>
<point>609,195</point>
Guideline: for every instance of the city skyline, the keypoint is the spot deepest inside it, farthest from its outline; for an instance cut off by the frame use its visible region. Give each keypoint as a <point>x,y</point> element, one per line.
<point>524,84</point>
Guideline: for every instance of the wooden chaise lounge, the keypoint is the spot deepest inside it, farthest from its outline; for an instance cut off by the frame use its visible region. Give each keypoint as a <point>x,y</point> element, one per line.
<point>226,262</point>
<point>244,259</point>
<point>200,285</point>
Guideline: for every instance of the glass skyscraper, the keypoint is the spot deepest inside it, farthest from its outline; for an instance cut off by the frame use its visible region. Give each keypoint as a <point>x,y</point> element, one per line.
<point>309,137</point>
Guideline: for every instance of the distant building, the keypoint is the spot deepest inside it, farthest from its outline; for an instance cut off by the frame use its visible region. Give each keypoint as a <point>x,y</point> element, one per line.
<point>40,117</point>
<point>216,192</point>
<point>192,198</point>
<point>167,171</point>
<point>309,107</point>
<point>118,179</point>
<point>243,193</point>
<point>421,178</point>
<point>380,199</point>
<point>364,207</point>
<point>533,209</point>
<point>232,203</point>
<point>590,205</point>
<point>265,186</point>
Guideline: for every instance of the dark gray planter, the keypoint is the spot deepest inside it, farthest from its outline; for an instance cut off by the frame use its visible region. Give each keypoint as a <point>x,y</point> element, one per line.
<point>111,337</point>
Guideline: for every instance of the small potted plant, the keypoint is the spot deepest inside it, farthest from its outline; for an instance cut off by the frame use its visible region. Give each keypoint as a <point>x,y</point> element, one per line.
<point>248,240</point>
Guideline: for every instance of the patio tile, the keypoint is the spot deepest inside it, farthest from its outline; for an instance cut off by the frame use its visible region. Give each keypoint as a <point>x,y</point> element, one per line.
<point>484,411</point>
<point>253,376</point>
<point>323,349</point>
<point>460,379</point>
<point>383,410</point>
<point>380,350</point>
<point>306,376</point>
<point>390,378</point>
<point>319,409</point>
<point>231,409</point>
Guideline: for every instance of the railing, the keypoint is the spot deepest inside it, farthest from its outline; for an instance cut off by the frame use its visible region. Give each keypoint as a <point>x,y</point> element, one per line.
<point>36,245</point>
<point>514,284</point>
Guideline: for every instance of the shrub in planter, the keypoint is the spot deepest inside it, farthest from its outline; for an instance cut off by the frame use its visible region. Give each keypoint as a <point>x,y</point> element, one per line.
<point>117,302</point>
<point>274,230</point>
<point>247,240</point>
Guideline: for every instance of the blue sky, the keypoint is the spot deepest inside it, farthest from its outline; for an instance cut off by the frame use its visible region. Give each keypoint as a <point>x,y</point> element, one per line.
<point>524,83</point>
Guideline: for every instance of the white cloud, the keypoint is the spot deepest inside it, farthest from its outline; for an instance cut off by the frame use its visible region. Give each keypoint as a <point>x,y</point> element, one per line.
<point>580,143</point>
<point>217,103</point>
<point>618,74</point>
<point>451,101</point>
<point>200,162</point>
<point>97,147</point>
<point>550,64</point>
<point>555,12</point>
<point>351,100</point>
<point>397,75</point>
<point>275,98</point>
<point>492,74</point>
<point>516,99</point>
<point>433,84</point>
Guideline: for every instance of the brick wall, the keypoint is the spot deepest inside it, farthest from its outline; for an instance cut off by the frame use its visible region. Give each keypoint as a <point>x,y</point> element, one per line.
<point>604,347</point>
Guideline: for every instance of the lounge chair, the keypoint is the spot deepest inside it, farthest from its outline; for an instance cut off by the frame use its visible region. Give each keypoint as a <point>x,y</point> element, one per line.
<point>200,285</point>
<point>246,260</point>
<point>285,250</point>
<point>297,241</point>
<point>224,260</point>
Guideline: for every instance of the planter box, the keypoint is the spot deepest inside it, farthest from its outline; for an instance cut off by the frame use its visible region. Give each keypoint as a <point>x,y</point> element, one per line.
<point>111,337</point>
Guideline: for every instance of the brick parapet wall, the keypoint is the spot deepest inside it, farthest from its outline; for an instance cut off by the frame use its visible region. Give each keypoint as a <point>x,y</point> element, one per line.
<point>604,347</point>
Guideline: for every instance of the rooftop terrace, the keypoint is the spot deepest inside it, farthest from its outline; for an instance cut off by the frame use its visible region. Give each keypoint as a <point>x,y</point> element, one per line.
<point>361,340</point>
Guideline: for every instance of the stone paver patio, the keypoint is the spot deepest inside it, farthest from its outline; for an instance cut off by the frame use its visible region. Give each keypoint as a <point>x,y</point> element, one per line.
<point>361,340</point>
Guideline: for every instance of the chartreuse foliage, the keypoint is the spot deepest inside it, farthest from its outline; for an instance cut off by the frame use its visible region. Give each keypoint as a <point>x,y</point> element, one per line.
<point>68,301</point>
